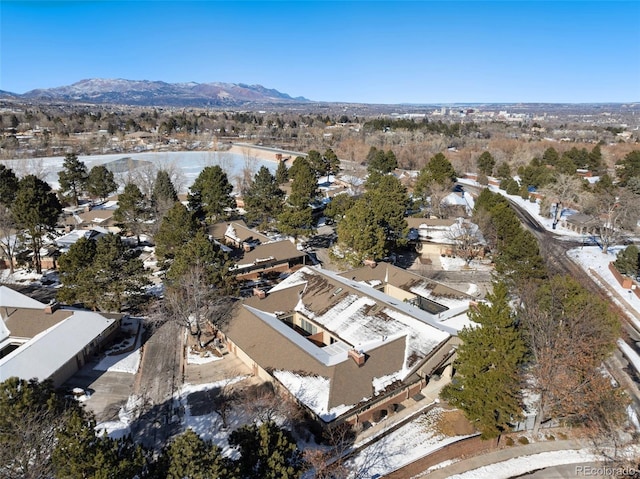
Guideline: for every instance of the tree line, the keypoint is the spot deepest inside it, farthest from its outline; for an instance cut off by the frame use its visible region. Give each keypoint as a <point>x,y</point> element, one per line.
<point>536,333</point>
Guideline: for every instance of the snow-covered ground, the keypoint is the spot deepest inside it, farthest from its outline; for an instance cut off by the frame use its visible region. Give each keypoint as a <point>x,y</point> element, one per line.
<point>524,464</point>
<point>596,265</point>
<point>409,443</point>
<point>127,362</point>
<point>193,357</point>
<point>210,426</point>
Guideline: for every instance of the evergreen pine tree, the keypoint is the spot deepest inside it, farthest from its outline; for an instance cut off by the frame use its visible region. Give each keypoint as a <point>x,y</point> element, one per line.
<point>8,185</point>
<point>263,199</point>
<point>72,178</point>
<point>210,194</point>
<point>441,169</point>
<point>189,456</point>
<point>32,413</point>
<point>164,194</point>
<point>550,156</point>
<point>132,211</point>
<point>35,209</point>
<point>627,261</point>
<point>177,228</point>
<point>485,163</point>
<point>100,182</point>
<point>304,187</point>
<point>486,386</point>
<point>202,252</point>
<point>74,270</point>
<point>111,276</point>
<point>267,452</point>
<point>282,173</point>
<point>360,234</point>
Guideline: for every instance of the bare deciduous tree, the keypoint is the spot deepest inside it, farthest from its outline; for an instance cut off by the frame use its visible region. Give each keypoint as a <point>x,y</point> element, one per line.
<point>198,307</point>
<point>437,193</point>
<point>329,463</point>
<point>616,212</point>
<point>569,333</point>
<point>467,240</point>
<point>563,192</point>
<point>8,235</point>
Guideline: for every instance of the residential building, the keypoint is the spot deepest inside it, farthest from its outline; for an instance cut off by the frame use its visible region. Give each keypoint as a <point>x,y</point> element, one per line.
<point>46,341</point>
<point>350,347</point>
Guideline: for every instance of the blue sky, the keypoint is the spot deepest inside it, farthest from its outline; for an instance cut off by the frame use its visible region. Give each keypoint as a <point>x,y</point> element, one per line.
<point>368,52</point>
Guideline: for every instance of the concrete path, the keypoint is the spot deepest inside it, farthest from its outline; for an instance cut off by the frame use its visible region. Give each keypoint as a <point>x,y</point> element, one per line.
<point>159,377</point>
<point>418,468</point>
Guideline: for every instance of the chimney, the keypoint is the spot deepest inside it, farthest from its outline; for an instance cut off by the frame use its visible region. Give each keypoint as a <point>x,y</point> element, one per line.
<point>371,263</point>
<point>51,307</point>
<point>260,293</point>
<point>358,356</point>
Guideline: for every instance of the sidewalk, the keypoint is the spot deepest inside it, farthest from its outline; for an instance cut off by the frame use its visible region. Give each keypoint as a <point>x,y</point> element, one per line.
<point>497,456</point>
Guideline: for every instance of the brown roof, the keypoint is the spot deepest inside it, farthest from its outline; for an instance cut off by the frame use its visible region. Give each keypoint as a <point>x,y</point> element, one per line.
<point>349,384</point>
<point>27,323</point>
<point>275,251</point>
<point>402,279</point>
<point>394,343</point>
<point>102,216</point>
<point>243,232</point>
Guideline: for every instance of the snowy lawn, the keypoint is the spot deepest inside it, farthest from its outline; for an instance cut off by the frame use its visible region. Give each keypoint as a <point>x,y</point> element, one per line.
<point>417,439</point>
<point>592,258</point>
<point>209,426</point>
<point>195,357</point>
<point>128,362</point>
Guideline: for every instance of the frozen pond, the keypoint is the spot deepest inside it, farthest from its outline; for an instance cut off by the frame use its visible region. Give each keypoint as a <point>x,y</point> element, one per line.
<point>189,163</point>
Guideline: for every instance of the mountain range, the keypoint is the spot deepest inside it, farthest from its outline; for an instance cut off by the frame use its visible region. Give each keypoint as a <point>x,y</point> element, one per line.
<point>159,93</point>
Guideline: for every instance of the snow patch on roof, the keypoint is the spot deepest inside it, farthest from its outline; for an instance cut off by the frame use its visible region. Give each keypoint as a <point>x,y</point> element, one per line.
<point>313,392</point>
<point>12,299</point>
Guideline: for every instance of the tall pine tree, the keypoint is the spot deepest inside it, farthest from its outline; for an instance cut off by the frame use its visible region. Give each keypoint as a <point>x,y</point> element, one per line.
<point>35,209</point>
<point>267,452</point>
<point>72,178</point>
<point>100,182</point>
<point>210,194</point>
<point>263,199</point>
<point>486,386</point>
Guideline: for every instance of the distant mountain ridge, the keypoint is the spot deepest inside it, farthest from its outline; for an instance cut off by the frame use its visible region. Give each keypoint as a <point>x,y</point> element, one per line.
<point>159,93</point>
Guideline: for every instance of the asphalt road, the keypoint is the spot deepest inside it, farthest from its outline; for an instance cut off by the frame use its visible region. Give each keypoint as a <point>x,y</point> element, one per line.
<point>159,377</point>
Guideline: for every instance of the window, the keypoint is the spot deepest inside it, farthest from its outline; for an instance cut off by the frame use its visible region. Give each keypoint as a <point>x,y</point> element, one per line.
<point>308,327</point>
